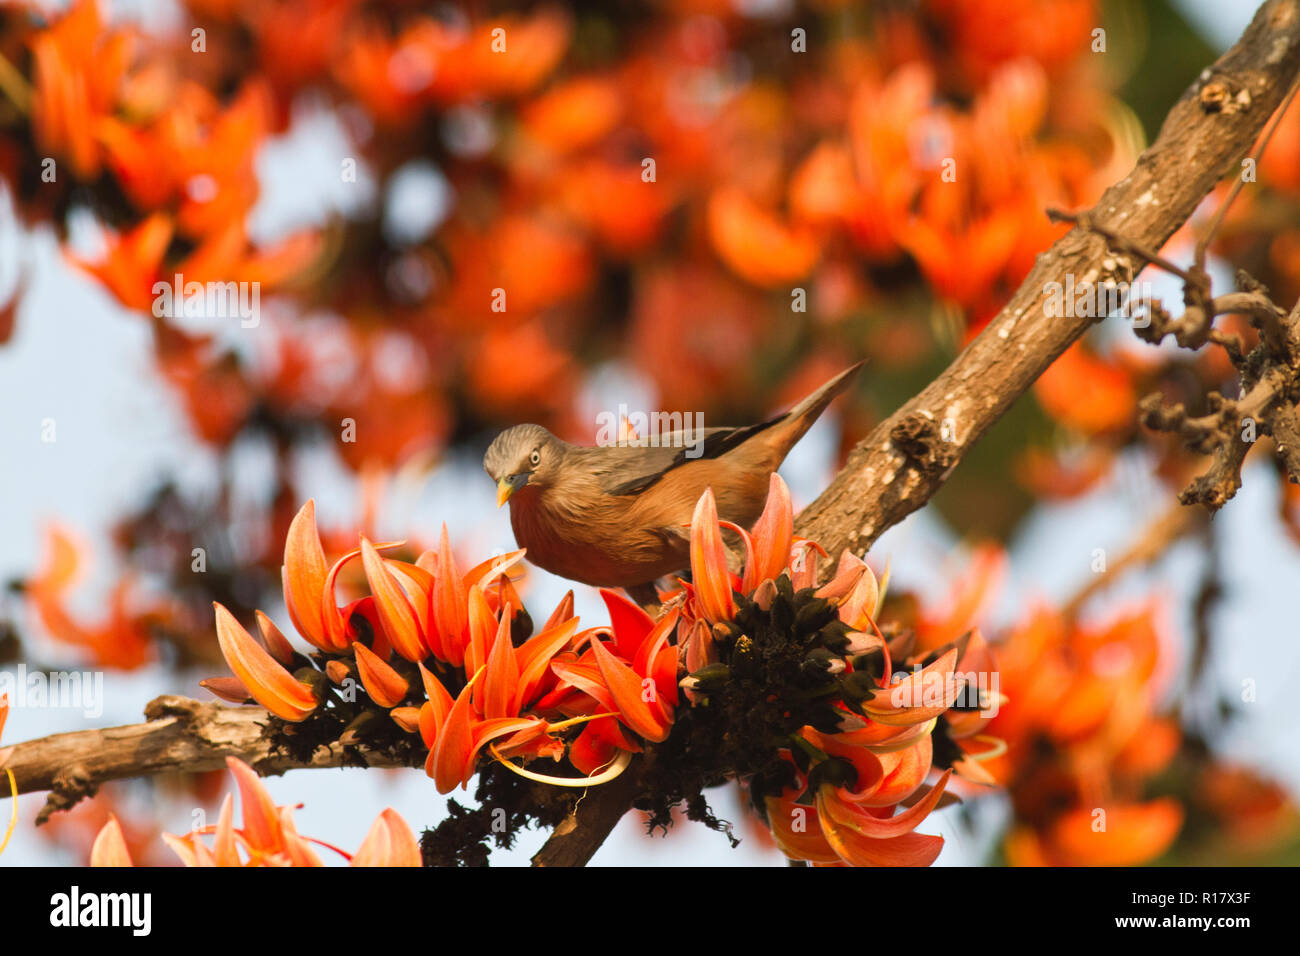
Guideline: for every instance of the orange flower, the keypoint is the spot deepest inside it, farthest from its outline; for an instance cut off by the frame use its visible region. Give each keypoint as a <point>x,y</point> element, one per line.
<point>710,579</point>
<point>109,848</point>
<point>1116,835</point>
<point>1087,392</point>
<point>506,685</point>
<point>265,679</point>
<point>78,68</point>
<point>389,843</point>
<point>859,822</point>
<point>122,640</point>
<point>574,114</point>
<point>133,262</point>
<point>267,838</point>
<point>755,244</point>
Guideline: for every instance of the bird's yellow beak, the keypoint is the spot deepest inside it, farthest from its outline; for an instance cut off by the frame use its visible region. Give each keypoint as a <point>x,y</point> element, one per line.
<point>505,488</point>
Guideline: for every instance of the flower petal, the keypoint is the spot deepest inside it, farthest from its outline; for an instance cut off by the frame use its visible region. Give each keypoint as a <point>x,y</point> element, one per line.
<point>628,621</point>
<point>261,818</point>
<point>627,688</point>
<point>502,678</point>
<point>449,614</point>
<point>401,626</point>
<point>270,684</point>
<point>386,687</point>
<point>388,843</point>
<point>304,574</point>
<point>109,848</point>
<point>709,571</point>
<point>773,536</point>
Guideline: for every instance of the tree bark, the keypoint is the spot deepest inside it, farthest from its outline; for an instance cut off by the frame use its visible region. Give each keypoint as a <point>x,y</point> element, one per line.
<point>1207,134</point>
<point>180,735</point>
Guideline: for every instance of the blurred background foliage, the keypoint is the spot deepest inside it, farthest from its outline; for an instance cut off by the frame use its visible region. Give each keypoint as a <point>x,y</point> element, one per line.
<point>650,188</point>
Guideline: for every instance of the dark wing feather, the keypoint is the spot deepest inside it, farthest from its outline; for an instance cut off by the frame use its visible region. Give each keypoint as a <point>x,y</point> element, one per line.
<point>717,442</point>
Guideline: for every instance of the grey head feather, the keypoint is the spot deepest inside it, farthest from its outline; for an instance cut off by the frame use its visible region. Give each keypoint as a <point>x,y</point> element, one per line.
<point>509,451</point>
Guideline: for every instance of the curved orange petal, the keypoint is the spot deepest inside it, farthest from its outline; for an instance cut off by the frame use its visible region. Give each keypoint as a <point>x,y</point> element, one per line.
<point>501,681</point>
<point>385,686</point>
<point>535,657</point>
<point>401,626</point>
<point>227,688</point>
<point>563,612</point>
<point>224,849</point>
<point>797,831</point>
<point>878,828</point>
<point>918,697</point>
<point>629,622</point>
<point>388,843</point>
<point>910,849</point>
<point>483,626</point>
<point>709,571</point>
<point>298,850</point>
<point>449,599</point>
<point>304,572</point>
<point>270,684</point>
<point>109,848</point>
<point>261,818</point>
<point>627,689</point>
<point>451,751</point>
<point>274,639</point>
<point>773,536</point>
<point>1128,834</point>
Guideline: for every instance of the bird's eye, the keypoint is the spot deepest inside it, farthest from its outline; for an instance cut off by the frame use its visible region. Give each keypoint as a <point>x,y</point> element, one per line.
<point>535,458</point>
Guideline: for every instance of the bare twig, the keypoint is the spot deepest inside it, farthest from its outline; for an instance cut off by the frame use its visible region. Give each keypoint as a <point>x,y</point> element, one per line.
<point>1154,540</point>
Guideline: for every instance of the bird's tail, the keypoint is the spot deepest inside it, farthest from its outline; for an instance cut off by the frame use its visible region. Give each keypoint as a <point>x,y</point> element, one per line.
<point>800,418</point>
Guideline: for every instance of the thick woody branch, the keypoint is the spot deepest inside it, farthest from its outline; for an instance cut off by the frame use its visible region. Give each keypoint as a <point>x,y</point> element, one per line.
<point>905,460</point>
<point>180,734</point>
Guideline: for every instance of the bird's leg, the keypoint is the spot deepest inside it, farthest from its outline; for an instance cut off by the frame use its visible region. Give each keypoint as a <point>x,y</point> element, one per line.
<point>646,596</point>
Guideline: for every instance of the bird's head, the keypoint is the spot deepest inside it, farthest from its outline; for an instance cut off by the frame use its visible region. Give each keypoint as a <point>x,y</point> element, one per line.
<point>522,455</point>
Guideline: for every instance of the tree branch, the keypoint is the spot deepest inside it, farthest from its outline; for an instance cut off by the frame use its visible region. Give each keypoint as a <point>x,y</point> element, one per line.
<point>908,457</point>
<point>180,735</point>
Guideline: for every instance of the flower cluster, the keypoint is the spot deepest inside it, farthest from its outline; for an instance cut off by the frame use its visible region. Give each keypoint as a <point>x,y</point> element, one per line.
<point>839,723</point>
<point>860,720</point>
<point>1085,741</point>
<point>451,657</point>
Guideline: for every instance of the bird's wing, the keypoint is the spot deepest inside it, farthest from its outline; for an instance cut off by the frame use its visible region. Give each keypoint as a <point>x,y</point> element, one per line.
<point>630,470</point>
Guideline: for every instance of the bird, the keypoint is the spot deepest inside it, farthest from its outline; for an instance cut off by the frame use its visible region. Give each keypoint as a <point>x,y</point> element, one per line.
<point>619,515</point>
